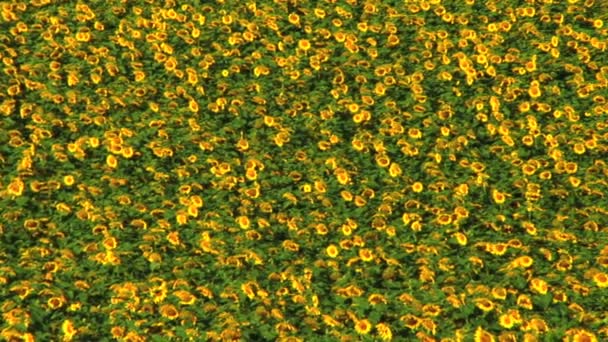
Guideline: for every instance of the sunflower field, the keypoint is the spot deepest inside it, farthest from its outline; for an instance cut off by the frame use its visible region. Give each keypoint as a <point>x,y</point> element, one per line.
<point>292,170</point>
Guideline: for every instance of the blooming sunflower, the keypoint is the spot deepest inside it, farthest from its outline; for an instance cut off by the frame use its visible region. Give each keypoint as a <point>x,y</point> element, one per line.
<point>111,161</point>
<point>506,321</point>
<point>484,304</point>
<point>330,321</point>
<point>525,261</point>
<point>68,329</point>
<point>375,299</point>
<point>498,196</point>
<point>525,302</point>
<point>68,180</point>
<point>16,187</point>
<point>363,327</point>
<point>539,286</point>
<point>601,279</point>
<point>461,238</point>
<point>499,293</point>
<point>431,310</point>
<point>332,251</point>
<point>394,170</point>
<point>185,297</point>
<point>444,219</point>
<point>56,302</point>
<point>410,321</point>
<point>169,311</point>
<point>366,254</point>
<point>498,248</point>
<point>584,336</point>
<point>384,331</point>
<point>483,336</point>
<point>117,332</point>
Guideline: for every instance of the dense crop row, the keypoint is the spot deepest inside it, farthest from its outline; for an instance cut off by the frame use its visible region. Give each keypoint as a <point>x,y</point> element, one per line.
<point>304,170</point>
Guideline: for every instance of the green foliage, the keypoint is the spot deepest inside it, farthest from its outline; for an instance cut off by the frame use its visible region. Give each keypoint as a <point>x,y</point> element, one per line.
<point>322,171</point>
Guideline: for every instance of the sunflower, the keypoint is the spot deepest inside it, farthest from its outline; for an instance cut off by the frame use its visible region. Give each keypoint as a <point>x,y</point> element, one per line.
<point>410,321</point>
<point>360,201</point>
<point>545,175</point>
<point>539,286</point>
<point>538,325</point>
<point>158,293</point>
<point>601,279</point>
<point>571,167</point>
<point>444,219</point>
<point>483,336</point>
<point>484,304</point>
<point>181,218</point>
<point>366,254</point>
<point>461,238</point>
<point>193,106</point>
<point>584,336</point>
<point>383,160</point>
<point>111,161</point>
<point>506,321</point>
<point>499,293</point>
<point>527,140</point>
<point>414,133</point>
<point>524,261</point>
<point>384,331</point>
<point>117,332</point>
<point>431,310</point>
<point>243,222</point>
<point>394,170</point>
<point>363,327</point>
<point>524,301</point>
<point>110,242</point>
<point>498,196</point>
<point>461,212</point>
<point>185,297</point>
<point>304,44</point>
<point>330,321</point>
<point>332,251</point>
<point>55,302</point>
<point>528,169</point>
<point>498,248</point>
<point>353,107</point>
<point>291,246</point>
<point>67,327</point>
<point>375,299</point>
<point>534,90</point>
<point>16,187</point>
<point>416,226</point>
<point>417,187</point>
<point>31,224</point>
<point>574,181</point>
<point>598,23</point>
<point>173,238</point>
<point>68,180</point>
<point>515,316</point>
<point>343,177</point>
<point>579,148</point>
<point>429,325</point>
<point>253,192</point>
<point>169,311</point>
